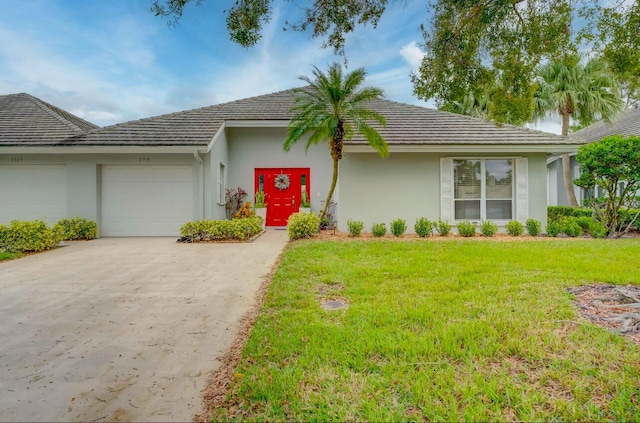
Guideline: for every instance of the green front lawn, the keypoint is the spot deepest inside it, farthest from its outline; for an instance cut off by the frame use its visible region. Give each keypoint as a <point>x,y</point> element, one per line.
<point>450,330</point>
<point>8,256</point>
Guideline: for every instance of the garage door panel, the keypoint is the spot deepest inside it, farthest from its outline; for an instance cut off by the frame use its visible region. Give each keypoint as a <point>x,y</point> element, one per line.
<point>30,192</point>
<point>146,200</point>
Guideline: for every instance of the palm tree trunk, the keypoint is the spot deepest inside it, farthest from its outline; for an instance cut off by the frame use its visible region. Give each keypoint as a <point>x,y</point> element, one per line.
<point>566,166</point>
<point>334,181</point>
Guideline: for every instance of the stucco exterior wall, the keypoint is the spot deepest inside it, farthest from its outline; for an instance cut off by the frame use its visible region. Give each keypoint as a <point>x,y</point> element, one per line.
<point>219,153</point>
<point>84,176</point>
<point>407,186</point>
<point>250,148</point>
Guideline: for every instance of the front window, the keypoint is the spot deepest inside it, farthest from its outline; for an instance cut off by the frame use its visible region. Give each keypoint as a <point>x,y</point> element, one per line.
<point>483,189</point>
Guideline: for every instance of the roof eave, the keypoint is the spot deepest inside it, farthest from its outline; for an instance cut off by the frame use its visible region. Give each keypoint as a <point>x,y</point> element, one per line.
<point>468,148</point>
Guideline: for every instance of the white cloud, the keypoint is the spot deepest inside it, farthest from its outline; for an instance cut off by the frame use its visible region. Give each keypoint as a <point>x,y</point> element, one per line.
<point>412,54</point>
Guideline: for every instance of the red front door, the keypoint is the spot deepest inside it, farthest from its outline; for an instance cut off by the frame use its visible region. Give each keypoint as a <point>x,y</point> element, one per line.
<point>283,191</point>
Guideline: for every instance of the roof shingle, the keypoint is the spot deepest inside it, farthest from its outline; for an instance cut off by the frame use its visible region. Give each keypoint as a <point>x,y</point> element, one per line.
<point>406,124</point>
<point>26,120</point>
<point>627,123</point>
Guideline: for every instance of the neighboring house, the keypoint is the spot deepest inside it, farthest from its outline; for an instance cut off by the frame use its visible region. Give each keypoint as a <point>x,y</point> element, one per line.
<point>147,177</point>
<point>627,123</point>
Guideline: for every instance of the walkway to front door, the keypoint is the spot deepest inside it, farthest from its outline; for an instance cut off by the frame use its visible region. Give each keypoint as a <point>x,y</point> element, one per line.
<point>283,189</point>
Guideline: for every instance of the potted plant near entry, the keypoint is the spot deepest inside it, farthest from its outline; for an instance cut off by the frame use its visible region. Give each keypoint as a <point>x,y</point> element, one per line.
<point>261,207</point>
<point>305,204</point>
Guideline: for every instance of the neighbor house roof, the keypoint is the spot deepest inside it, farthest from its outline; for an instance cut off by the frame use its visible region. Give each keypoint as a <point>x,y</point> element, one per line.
<point>26,120</point>
<point>626,123</point>
<point>406,124</point>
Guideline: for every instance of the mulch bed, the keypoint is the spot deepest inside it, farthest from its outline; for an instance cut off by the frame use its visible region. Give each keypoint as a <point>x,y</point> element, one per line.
<point>613,307</point>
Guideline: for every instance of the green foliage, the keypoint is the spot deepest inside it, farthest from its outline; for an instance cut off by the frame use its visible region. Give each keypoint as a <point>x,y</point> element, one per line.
<point>334,107</point>
<point>534,227</point>
<point>259,202</point>
<point>76,228</point>
<point>484,48</point>
<point>617,39</point>
<point>554,228</point>
<point>466,228</point>
<point>597,229</point>
<point>378,230</point>
<point>488,228</point>
<point>557,212</point>
<point>606,164</point>
<point>304,200</point>
<point>355,227</point>
<point>245,19</point>
<point>33,236</point>
<point>303,225</point>
<point>584,222</point>
<point>491,50</point>
<point>514,228</point>
<point>585,92</point>
<point>443,227</point>
<point>571,227</point>
<point>423,227</point>
<point>398,227</point>
<point>4,255</point>
<point>222,230</point>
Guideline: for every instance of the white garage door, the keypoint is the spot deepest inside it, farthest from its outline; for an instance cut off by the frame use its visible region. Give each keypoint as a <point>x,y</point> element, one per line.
<point>146,200</point>
<point>29,192</point>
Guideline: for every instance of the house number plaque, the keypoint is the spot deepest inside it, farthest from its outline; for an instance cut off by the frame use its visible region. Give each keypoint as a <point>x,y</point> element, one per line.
<point>16,159</point>
<point>144,159</point>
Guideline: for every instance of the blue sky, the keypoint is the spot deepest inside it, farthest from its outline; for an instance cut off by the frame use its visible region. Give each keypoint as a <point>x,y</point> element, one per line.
<point>113,61</point>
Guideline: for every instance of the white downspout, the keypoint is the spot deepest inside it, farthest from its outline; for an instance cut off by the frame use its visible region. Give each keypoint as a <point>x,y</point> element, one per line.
<point>201,167</point>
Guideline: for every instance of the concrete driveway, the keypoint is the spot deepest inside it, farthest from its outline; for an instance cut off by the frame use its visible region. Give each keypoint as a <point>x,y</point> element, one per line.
<point>122,329</point>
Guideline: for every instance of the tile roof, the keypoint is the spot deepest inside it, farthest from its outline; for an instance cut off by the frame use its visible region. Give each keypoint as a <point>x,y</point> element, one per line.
<point>406,124</point>
<point>26,120</point>
<point>627,123</point>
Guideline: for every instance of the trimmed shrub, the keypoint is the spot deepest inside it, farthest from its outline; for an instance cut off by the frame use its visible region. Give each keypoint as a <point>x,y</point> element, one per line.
<point>553,228</point>
<point>423,227</point>
<point>597,230</point>
<point>355,227</point>
<point>558,212</point>
<point>585,223</point>
<point>443,227</point>
<point>303,225</point>
<point>534,227</point>
<point>379,229</point>
<point>76,228</point>
<point>570,227</point>
<point>488,228</point>
<point>514,228</point>
<point>222,230</point>
<point>466,228</point>
<point>21,237</point>
<point>398,227</point>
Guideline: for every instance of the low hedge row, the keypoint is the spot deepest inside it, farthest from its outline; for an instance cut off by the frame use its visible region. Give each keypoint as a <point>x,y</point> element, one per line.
<point>34,236</point>
<point>222,230</point>
<point>76,228</point>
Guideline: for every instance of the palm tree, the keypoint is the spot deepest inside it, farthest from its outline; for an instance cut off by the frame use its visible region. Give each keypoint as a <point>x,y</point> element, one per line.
<point>332,108</point>
<point>585,93</point>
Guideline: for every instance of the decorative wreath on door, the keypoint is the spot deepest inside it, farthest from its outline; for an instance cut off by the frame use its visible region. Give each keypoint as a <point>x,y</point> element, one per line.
<point>282,181</point>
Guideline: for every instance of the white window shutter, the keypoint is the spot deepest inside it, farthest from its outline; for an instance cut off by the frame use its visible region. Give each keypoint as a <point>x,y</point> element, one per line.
<point>522,189</point>
<point>446,189</point>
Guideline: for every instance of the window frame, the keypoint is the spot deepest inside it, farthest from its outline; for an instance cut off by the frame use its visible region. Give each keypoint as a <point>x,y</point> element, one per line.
<point>221,183</point>
<point>483,189</point>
